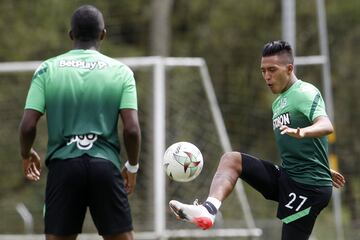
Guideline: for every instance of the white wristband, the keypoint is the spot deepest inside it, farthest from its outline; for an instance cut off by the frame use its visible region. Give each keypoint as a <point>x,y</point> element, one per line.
<point>132,168</point>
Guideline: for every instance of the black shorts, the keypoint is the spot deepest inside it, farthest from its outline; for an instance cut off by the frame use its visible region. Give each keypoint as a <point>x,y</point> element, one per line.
<point>78,183</point>
<point>299,204</point>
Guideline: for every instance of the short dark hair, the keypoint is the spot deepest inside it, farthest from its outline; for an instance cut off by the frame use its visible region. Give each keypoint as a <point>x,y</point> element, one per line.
<point>87,23</point>
<point>278,47</point>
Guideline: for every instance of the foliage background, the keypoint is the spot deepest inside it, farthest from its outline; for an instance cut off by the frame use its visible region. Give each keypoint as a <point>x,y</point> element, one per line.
<point>229,35</point>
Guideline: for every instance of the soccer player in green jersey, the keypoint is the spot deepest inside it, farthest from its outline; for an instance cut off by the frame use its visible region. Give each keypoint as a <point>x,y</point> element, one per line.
<point>83,94</point>
<point>302,184</point>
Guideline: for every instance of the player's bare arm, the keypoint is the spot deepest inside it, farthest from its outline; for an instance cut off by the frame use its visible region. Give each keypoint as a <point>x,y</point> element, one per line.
<point>27,133</point>
<point>132,141</point>
<point>320,127</point>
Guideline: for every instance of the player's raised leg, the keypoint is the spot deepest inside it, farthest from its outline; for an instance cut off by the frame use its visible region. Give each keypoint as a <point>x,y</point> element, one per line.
<point>224,180</point>
<point>227,173</point>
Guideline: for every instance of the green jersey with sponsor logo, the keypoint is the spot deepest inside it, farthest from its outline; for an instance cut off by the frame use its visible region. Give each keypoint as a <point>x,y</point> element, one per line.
<point>82,92</point>
<point>305,160</point>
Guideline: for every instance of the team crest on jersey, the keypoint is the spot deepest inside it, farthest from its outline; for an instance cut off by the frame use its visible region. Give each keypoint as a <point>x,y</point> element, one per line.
<point>84,141</point>
<point>282,104</point>
<point>82,64</point>
<point>283,119</point>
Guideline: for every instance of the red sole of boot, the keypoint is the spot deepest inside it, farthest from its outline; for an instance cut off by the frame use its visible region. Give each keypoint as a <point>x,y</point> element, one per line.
<point>203,222</point>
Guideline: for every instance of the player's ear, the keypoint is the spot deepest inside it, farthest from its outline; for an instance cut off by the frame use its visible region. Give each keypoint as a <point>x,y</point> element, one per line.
<point>103,34</point>
<point>71,35</point>
<point>290,68</point>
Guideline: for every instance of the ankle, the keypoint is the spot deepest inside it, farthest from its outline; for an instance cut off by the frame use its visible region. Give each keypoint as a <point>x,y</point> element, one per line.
<point>212,205</point>
<point>215,202</point>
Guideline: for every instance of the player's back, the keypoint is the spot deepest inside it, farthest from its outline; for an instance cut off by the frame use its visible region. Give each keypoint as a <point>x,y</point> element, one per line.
<point>83,92</point>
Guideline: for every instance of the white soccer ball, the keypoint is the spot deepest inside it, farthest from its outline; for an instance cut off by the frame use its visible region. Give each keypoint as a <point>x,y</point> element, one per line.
<point>183,162</point>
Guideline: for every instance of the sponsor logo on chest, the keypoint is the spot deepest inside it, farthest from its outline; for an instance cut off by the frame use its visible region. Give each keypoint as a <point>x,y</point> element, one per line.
<point>283,119</point>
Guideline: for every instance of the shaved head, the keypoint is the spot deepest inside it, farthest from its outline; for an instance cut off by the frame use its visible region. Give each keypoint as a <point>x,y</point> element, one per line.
<point>280,48</point>
<point>87,23</point>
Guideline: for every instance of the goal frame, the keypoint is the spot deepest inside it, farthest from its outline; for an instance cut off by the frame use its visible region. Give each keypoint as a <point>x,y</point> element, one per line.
<point>159,65</point>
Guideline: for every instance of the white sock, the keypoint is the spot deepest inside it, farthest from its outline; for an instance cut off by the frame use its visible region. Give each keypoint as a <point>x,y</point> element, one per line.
<point>214,201</point>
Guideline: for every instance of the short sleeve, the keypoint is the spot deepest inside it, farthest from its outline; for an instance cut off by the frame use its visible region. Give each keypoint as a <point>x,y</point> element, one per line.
<point>317,108</point>
<point>36,95</point>
<point>311,103</point>
<point>129,94</point>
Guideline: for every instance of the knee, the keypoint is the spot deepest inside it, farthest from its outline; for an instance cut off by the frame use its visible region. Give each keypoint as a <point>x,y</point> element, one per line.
<point>233,160</point>
<point>120,236</point>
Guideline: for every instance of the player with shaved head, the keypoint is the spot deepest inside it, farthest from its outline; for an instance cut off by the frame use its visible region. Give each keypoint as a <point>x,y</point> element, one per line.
<point>302,184</point>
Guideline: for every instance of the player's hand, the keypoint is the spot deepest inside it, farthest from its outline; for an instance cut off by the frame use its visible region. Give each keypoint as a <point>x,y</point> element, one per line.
<point>32,166</point>
<point>297,133</point>
<point>337,179</point>
<point>129,180</point>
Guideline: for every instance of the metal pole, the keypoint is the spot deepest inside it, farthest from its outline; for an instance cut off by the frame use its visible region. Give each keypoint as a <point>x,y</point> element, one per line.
<point>225,142</point>
<point>27,218</point>
<point>289,23</point>
<point>289,34</point>
<point>324,50</point>
<point>159,142</point>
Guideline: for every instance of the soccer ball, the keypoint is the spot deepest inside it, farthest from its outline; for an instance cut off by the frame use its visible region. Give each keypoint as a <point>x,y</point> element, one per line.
<point>183,162</point>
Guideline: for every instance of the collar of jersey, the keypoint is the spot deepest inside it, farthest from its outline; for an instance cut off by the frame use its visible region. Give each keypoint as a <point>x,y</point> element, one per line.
<point>83,51</point>
<point>297,82</point>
